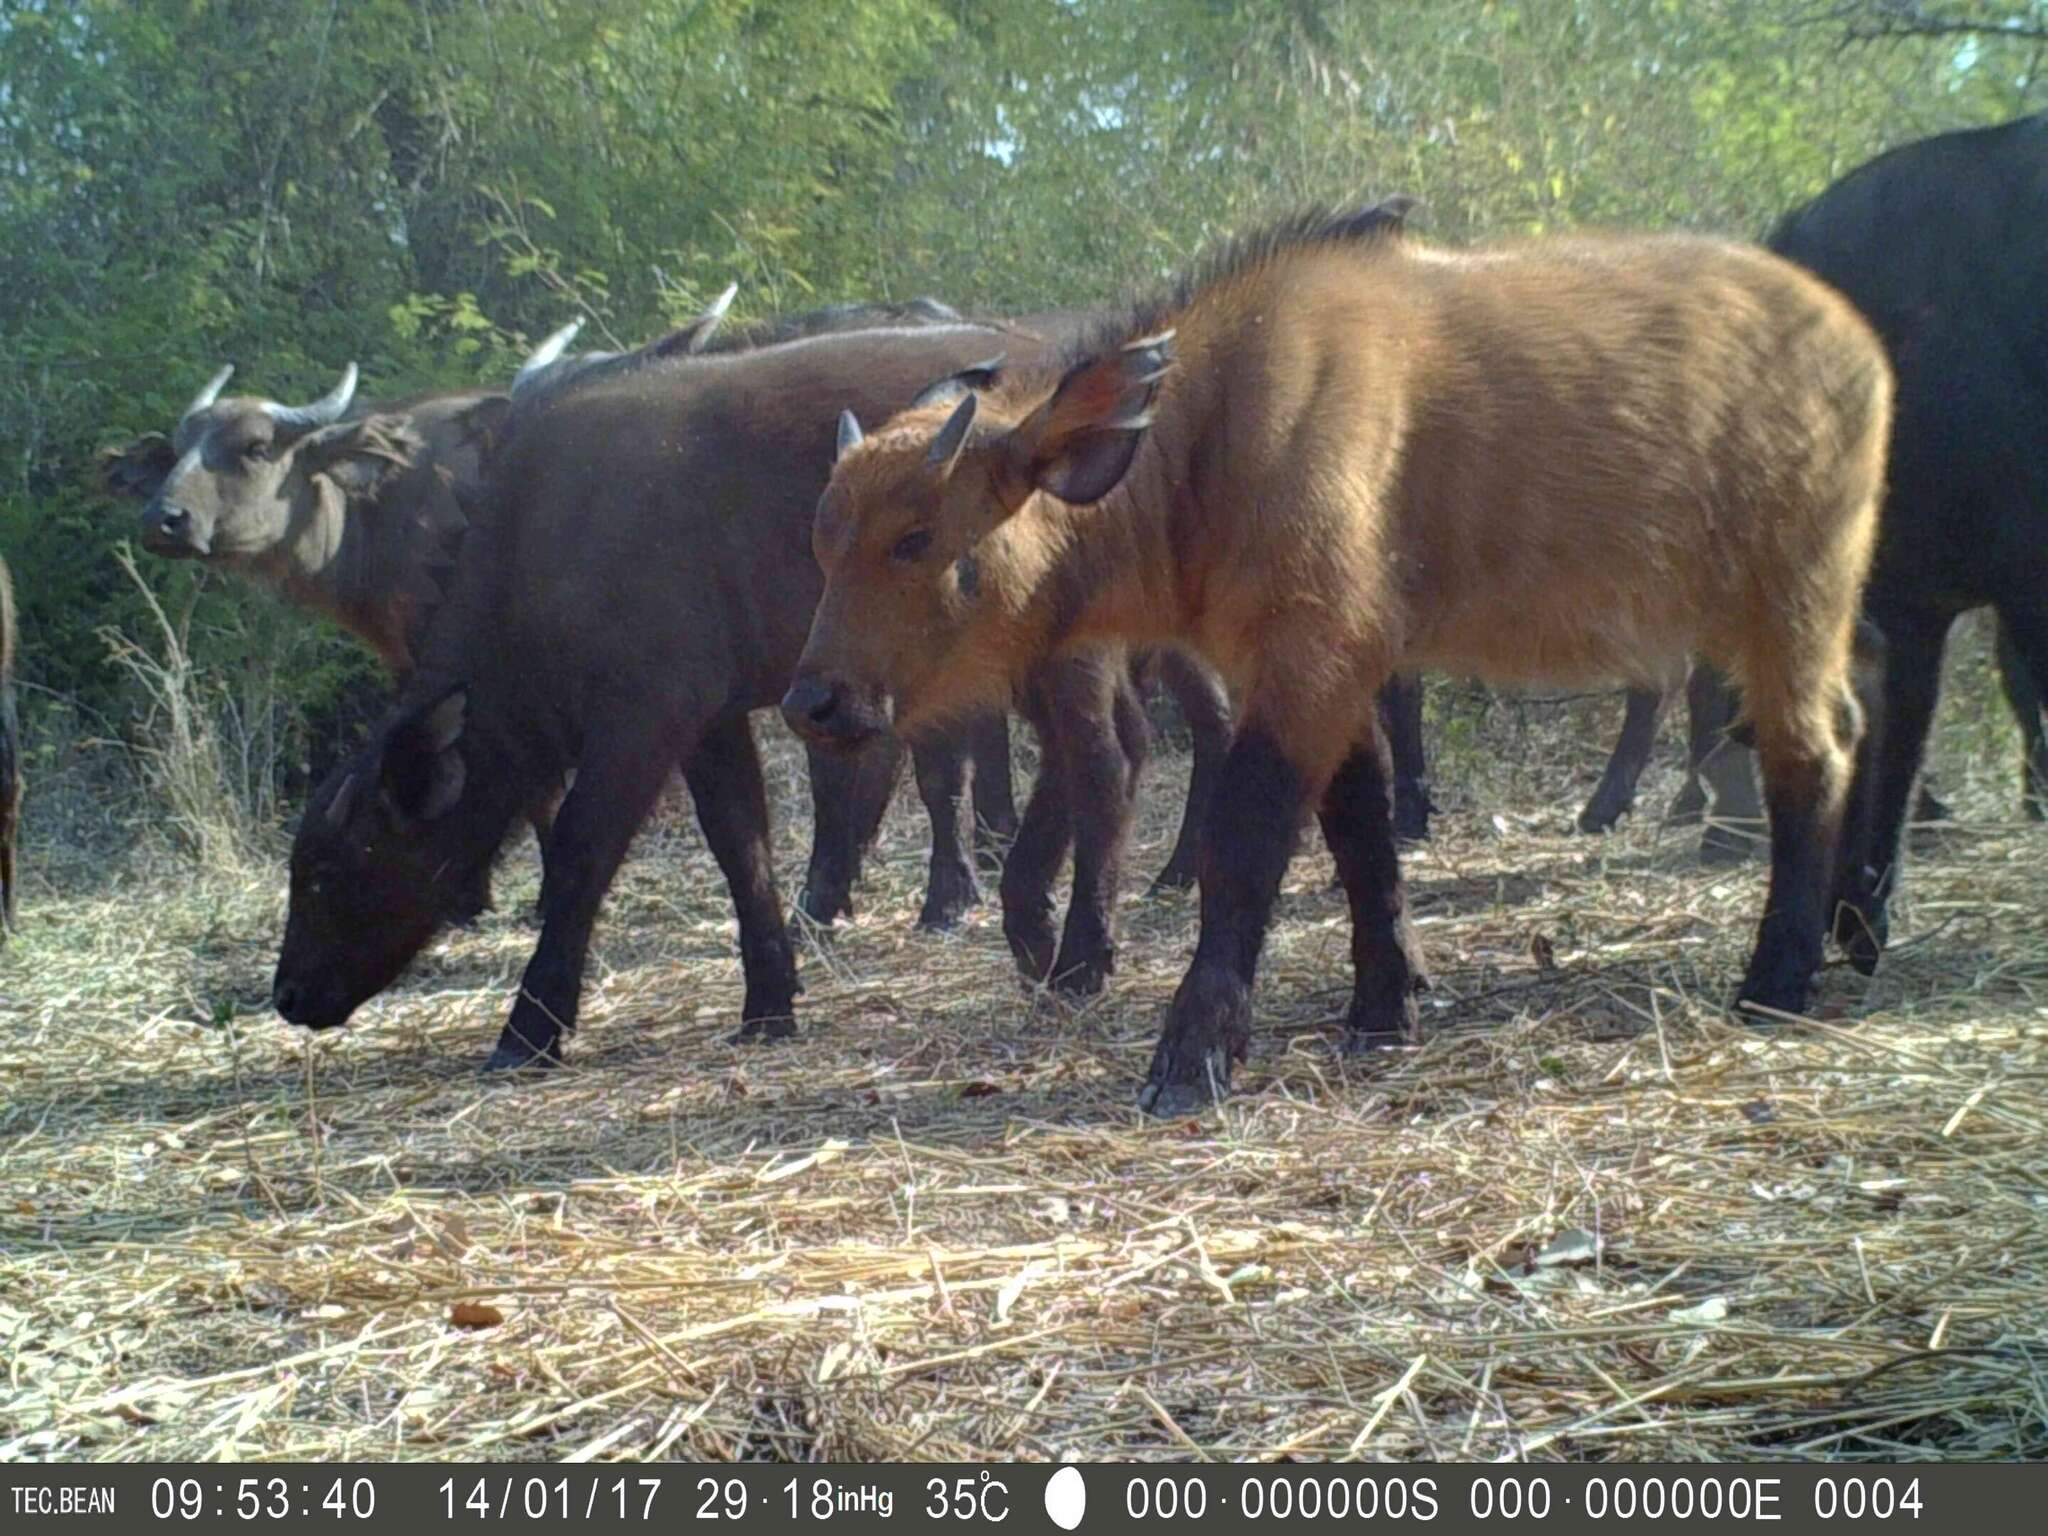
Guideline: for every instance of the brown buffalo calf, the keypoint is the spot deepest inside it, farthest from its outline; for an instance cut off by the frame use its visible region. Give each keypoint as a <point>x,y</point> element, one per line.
<point>10,756</point>
<point>1337,452</point>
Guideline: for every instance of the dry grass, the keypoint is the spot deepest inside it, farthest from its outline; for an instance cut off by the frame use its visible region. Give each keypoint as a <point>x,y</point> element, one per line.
<point>935,1226</point>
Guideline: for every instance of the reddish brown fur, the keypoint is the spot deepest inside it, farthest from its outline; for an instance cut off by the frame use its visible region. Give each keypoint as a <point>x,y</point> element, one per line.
<point>1565,460</point>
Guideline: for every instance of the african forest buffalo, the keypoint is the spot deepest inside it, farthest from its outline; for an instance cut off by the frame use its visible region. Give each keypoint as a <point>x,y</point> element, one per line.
<point>358,514</point>
<point>636,578</point>
<point>10,756</point>
<point>1336,452</point>
<point>1939,245</point>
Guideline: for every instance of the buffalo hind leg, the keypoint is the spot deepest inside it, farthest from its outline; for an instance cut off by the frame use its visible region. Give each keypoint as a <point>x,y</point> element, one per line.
<point>1386,963</point>
<point>995,795</point>
<point>1205,705</point>
<point>1807,740</point>
<point>724,775</point>
<point>950,889</point>
<point>1710,709</point>
<point>1246,846</point>
<point>626,760</point>
<point>2023,677</point>
<point>1401,709</point>
<point>1912,645</point>
<point>1615,795</point>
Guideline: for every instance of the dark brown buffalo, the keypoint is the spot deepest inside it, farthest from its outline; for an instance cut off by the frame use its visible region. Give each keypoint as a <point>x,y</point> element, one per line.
<point>357,515</point>
<point>637,578</point>
<point>1336,453</point>
<point>10,757</point>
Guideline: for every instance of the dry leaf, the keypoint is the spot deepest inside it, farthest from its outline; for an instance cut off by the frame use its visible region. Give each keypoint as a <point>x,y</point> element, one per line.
<point>475,1314</point>
<point>1543,952</point>
<point>978,1090</point>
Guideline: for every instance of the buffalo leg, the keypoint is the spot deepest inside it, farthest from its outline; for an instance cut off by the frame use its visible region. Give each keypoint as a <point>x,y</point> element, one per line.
<point>1386,963</point>
<point>1807,747</point>
<point>1615,795</point>
<point>849,795</point>
<point>1100,738</point>
<point>1205,705</point>
<point>1246,846</point>
<point>627,758</point>
<point>995,795</point>
<point>941,765</point>
<point>1710,709</point>
<point>1043,837</point>
<point>2022,679</point>
<point>1913,641</point>
<point>724,776</point>
<point>1401,710</point>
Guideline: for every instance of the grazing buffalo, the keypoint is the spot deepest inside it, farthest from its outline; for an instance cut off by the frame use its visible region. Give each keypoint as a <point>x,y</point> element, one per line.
<point>1337,451</point>
<point>358,515</point>
<point>616,640</point>
<point>10,757</point>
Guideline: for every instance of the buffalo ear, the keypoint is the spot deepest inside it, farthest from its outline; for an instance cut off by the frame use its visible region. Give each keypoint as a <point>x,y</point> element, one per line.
<point>1079,444</point>
<point>139,468</point>
<point>359,455</point>
<point>422,774</point>
<point>945,391</point>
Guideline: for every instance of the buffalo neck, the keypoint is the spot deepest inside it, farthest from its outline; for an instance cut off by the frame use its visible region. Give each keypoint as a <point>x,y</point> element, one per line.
<point>1124,570</point>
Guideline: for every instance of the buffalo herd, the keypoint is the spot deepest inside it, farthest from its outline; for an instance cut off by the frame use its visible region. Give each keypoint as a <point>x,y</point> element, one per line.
<point>1333,457</point>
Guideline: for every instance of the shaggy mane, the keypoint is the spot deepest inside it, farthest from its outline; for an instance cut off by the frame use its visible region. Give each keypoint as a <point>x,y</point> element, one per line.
<point>1310,227</point>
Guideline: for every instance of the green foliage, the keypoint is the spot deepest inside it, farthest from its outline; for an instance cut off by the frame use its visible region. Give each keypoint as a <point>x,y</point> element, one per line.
<point>423,185</point>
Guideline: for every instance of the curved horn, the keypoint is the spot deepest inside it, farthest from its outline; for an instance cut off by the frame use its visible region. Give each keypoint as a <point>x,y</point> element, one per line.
<point>548,352</point>
<point>849,435</point>
<point>706,324</point>
<point>322,412</point>
<point>211,393</point>
<point>945,448</point>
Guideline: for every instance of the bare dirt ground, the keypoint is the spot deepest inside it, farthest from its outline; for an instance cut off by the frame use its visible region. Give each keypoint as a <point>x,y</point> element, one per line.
<point>1592,1217</point>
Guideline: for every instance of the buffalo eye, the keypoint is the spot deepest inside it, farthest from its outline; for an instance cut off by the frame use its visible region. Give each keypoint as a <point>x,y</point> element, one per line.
<point>253,450</point>
<point>912,545</point>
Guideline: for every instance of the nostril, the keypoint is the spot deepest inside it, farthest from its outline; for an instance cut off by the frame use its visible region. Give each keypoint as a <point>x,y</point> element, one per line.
<point>810,702</point>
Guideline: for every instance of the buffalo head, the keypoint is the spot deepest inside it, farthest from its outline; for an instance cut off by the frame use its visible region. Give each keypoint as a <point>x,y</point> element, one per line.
<point>393,846</point>
<point>237,474</point>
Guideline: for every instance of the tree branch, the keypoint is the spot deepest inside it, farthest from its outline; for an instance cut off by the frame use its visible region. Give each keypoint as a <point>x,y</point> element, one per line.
<point>1871,20</point>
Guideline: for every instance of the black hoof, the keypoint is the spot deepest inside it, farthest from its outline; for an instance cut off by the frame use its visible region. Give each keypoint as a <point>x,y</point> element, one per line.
<point>1208,1030</point>
<point>946,906</point>
<point>823,905</point>
<point>1759,1001</point>
<point>1083,978</point>
<point>763,1031</point>
<point>1385,1026</point>
<point>519,1056</point>
<point>1687,806</point>
<point>1721,848</point>
<point>1170,1101</point>
<point>1173,878</point>
<point>1032,947</point>
<point>1598,817</point>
